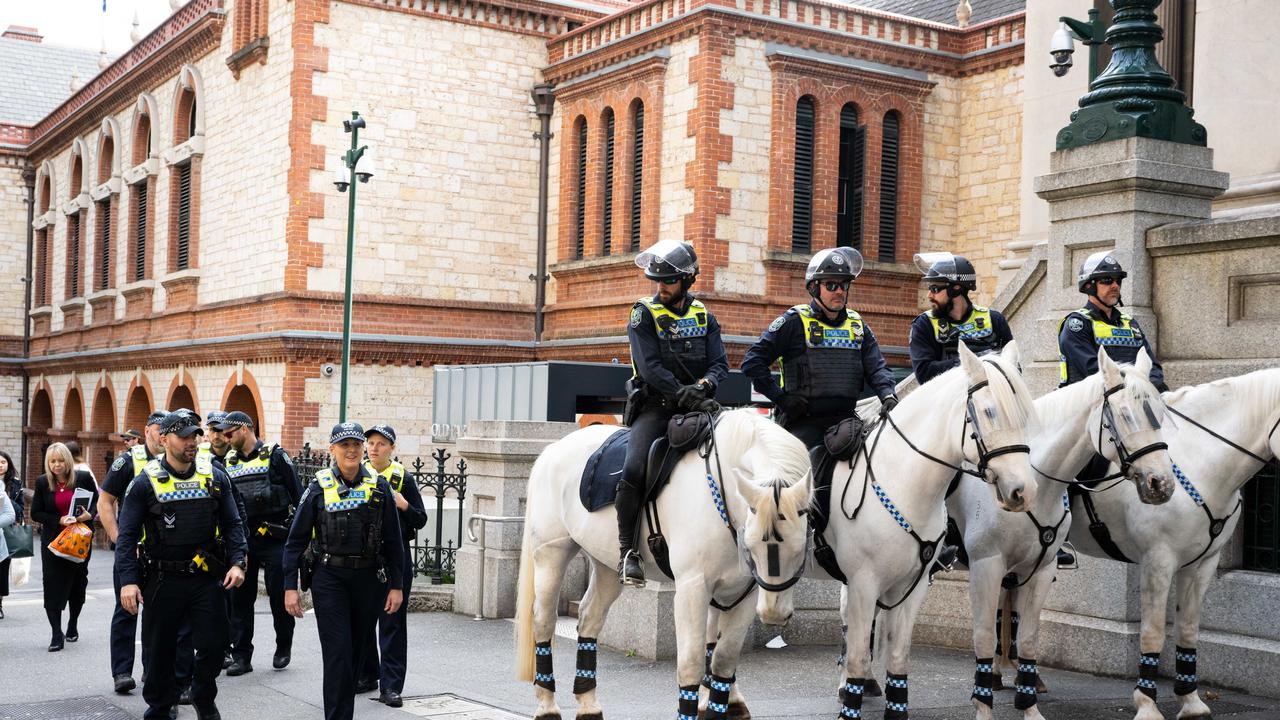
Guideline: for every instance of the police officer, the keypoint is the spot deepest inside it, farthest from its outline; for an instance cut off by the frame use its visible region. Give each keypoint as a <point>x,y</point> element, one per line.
<point>677,361</point>
<point>1101,323</point>
<point>264,477</point>
<point>380,444</point>
<point>180,545</point>
<point>358,559</point>
<point>218,446</point>
<point>936,333</point>
<point>124,625</point>
<point>827,352</point>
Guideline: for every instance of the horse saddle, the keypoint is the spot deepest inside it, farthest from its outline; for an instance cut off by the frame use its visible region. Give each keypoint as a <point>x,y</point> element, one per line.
<point>599,484</point>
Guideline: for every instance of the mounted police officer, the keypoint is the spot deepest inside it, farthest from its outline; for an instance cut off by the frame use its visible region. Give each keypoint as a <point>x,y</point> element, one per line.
<point>346,523</point>
<point>392,637</point>
<point>936,333</point>
<point>181,543</point>
<point>1101,323</point>
<point>827,353</point>
<point>264,477</point>
<point>678,361</point>
<point>124,625</point>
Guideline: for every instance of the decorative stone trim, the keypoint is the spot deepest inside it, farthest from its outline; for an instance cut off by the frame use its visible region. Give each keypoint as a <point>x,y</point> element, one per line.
<point>180,289</point>
<point>103,303</point>
<point>73,313</point>
<point>255,51</point>
<point>193,147</point>
<point>138,299</point>
<point>149,168</point>
<point>44,220</point>
<point>76,204</point>
<point>106,189</point>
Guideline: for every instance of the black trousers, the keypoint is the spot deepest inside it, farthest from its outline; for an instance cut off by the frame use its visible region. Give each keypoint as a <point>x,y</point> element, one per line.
<point>170,602</point>
<point>648,426</point>
<point>812,429</point>
<point>392,640</point>
<point>124,628</point>
<point>347,605</point>
<point>266,554</point>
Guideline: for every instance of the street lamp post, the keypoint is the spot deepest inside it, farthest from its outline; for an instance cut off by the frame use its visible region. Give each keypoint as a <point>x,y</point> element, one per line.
<point>353,162</point>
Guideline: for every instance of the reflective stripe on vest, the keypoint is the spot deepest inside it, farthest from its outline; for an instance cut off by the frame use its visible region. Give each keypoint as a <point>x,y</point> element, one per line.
<point>1120,342</point>
<point>831,366</point>
<point>138,453</point>
<point>976,331</point>
<point>393,474</point>
<point>355,497</point>
<point>685,343</point>
<point>185,512</point>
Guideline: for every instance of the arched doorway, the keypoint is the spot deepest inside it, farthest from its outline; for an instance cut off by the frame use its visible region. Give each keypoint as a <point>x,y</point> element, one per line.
<point>137,409</point>
<point>182,397</point>
<point>73,415</point>
<point>39,422</point>
<point>100,445</point>
<point>241,398</point>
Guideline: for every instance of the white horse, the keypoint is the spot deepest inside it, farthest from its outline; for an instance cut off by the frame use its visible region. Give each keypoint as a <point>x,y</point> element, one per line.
<point>1220,434</point>
<point>886,523</point>
<point>714,565</point>
<point>1116,412</point>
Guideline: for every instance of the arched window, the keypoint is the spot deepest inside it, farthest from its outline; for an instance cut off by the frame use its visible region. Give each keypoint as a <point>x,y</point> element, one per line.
<point>44,191</point>
<point>184,185</point>
<point>889,168</point>
<point>580,196</point>
<point>106,205</point>
<point>607,194</point>
<point>802,198</point>
<point>853,147</point>
<point>75,225</point>
<point>142,192</point>
<point>637,171</point>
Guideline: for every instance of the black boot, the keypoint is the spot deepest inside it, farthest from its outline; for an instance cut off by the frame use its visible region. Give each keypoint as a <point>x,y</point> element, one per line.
<point>630,567</point>
<point>1066,561</point>
<point>946,557</point>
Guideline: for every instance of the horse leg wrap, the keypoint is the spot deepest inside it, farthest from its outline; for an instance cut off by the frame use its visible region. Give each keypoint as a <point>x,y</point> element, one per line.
<point>895,697</point>
<point>1013,634</point>
<point>999,632</point>
<point>706,674</point>
<point>718,698</point>
<point>1184,679</point>
<point>688,703</point>
<point>1025,684</point>
<point>844,646</point>
<point>585,677</point>
<point>852,699</point>
<point>1147,666</point>
<point>982,681</point>
<point>542,675</point>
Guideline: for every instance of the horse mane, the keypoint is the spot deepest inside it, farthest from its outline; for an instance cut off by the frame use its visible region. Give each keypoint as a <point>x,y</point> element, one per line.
<point>1051,404</point>
<point>1012,397</point>
<point>775,457</point>
<point>1263,390</point>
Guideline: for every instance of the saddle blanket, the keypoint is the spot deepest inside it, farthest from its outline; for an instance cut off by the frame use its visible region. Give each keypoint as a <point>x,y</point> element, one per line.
<point>600,477</point>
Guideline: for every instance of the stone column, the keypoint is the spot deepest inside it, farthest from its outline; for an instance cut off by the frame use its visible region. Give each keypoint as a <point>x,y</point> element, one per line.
<point>499,454</point>
<point>1106,196</point>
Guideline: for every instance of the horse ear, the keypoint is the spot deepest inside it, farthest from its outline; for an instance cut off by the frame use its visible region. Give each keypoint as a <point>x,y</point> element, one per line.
<point>1012,354</point>
<point>747,488</point>
<point>1143,363</point>
<point>1111,374</point>
<point>971,364</point>
<point>800,492</point>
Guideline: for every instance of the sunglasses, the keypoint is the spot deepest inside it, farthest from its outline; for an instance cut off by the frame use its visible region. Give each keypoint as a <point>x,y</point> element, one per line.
<point>935,289</point>
<point>669,281</point>
<point>833,286</point>
<point>1108,281</point>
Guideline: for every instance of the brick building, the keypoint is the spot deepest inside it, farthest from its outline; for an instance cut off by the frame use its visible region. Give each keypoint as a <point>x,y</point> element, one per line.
<point>188,247</point>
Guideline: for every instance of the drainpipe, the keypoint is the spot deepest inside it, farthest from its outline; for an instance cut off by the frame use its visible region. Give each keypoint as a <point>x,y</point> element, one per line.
<point>29,180</point>
<point>544,100</point>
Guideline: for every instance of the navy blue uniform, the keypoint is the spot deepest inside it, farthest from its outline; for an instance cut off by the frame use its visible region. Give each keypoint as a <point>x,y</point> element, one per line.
<point>265,556</point>
<point>1078,345</point>
<point>124,625</point>
<point>930,357</point>
<point>173,600</point>
<point>784,340</point>
<point>347,600</point>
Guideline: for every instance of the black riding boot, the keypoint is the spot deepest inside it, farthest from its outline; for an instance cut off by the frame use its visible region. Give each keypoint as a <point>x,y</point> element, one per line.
<point>630,567</point>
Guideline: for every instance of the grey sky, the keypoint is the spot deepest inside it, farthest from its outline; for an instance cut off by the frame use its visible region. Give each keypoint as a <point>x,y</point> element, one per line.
<point>81,23</point>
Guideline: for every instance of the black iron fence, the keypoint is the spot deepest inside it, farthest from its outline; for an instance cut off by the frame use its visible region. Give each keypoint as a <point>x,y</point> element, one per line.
<point>1262,520</point>
<point>435,556</point>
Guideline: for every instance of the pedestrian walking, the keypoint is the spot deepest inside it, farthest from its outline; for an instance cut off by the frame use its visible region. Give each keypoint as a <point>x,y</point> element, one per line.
<point>51,506</point>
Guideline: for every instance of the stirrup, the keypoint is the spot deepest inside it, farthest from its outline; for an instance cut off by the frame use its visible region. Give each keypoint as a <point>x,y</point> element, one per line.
<point>1072,563</point>
<point>945,561</point>
<point>635,579</point>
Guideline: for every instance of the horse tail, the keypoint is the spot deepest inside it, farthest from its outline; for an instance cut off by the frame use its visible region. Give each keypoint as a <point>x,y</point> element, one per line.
<point>525,587</point>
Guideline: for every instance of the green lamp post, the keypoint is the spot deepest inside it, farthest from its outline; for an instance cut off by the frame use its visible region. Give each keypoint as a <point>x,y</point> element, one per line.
<point>1133,96</point>
<point>353,162</point>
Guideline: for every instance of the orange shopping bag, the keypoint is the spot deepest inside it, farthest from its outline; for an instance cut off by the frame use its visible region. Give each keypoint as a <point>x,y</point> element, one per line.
<point>73,543</point>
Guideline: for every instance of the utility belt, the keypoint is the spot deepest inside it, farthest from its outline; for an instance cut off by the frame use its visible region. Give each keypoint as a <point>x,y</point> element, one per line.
<point>640,397</point>
<point>203,561</point>
<point>349,562</point>
<point>275,531</point>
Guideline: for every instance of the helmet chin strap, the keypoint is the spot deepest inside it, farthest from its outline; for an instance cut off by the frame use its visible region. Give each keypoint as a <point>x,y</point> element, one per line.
<point>815,292</point>
<point>1091,289</point>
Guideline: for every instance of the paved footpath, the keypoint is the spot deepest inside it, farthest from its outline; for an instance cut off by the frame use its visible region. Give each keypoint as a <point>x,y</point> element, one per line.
<point>460,669</point>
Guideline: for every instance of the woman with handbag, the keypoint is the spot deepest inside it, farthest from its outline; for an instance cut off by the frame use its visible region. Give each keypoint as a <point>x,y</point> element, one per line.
<point>65,580</point>
<point>8,516</point>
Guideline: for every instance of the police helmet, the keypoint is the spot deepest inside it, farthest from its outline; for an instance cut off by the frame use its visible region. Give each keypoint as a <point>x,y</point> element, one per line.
<point>841,263</point>
<point>1099,265</point>
<point>669,260</point>
<point>948,268</point>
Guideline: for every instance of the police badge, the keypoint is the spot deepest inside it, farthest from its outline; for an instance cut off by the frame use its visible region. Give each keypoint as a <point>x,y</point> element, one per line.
<point>636,315</point>
<point>776,324</point>
<point>1075,324</point>
<point>119,463</point>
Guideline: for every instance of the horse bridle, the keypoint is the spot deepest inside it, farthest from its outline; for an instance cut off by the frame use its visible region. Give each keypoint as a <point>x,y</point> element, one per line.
<point>985,454</point>
<point>773,540</point>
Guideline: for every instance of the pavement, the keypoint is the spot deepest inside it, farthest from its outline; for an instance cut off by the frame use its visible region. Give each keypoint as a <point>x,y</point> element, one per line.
<point>461,669</point>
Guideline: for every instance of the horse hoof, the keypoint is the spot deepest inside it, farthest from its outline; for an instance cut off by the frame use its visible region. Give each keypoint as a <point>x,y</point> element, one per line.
<point>590,716</point>
<point>548,716</point>
<point>871,688</point>
<point>739,711</point>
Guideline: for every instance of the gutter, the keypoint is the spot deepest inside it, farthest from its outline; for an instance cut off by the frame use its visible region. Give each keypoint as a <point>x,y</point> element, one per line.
<point>29,180</point>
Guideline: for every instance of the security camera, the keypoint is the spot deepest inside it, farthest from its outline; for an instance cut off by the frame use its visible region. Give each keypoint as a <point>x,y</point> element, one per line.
<point>328,369</point>
<point>349,125</point>
<point>1062,47</point>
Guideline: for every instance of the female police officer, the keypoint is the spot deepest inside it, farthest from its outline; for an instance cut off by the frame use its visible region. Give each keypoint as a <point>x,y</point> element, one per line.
<point>348,519</point>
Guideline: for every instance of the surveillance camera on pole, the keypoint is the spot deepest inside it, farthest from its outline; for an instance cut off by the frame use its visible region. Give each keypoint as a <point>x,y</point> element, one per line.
<point>1062,47</point>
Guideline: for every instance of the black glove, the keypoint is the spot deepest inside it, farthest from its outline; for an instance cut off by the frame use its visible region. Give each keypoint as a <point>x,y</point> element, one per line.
<point>793,406</point>
<point>887,404</point>
<point>690,396</point>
